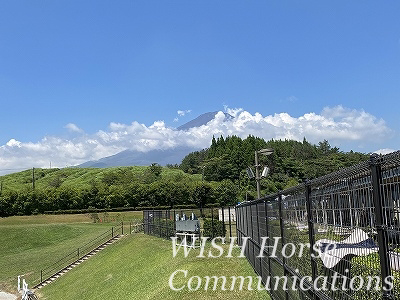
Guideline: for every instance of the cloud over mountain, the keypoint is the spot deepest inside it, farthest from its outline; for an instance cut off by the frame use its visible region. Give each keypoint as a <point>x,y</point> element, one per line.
<point>340,125</point>
<point>73,128</point>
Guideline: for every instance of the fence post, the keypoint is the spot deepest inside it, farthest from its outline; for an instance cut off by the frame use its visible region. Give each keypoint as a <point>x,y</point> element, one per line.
<point>174,219</point>
<point>258,241</point>
<point>41,276</point>
<point>230,222</point>
<point>281,225</point>
<point>267,232</point>
<point>311,233</point>
<point>247,232</point>
<point>223,221</point>
<point>212,222</point>
<point>78,252</point>
<point>122,226</point>
<point>166,224</point>
<point>130,227</point>
<point>252,239</point>
<point>112,232</point>
<point>381,226</point>
<point>238,219</point>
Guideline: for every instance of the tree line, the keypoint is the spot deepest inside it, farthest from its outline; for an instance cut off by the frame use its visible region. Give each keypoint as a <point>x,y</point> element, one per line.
<point>291,163</point>
<point>213,175</point>
<point>113,190</point>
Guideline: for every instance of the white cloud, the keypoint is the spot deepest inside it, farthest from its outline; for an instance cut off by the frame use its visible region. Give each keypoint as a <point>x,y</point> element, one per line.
<point>13,143</point>
<point>232,111</point>
<point>183,112</point>
<point>72,127</point>
<point>292,98</point>
<point>339,125</point>
<point>384,151</point>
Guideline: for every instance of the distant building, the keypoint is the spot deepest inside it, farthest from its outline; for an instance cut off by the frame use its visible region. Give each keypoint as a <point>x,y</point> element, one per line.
<point>228,211</point>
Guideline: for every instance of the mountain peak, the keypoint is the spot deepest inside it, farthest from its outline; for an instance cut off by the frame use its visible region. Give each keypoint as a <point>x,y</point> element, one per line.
<point>202,120</point>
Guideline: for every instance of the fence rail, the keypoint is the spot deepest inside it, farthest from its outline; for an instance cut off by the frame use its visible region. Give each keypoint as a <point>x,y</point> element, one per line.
<point>85,249</point>
<point>356,209</point>
<point>78,253</point>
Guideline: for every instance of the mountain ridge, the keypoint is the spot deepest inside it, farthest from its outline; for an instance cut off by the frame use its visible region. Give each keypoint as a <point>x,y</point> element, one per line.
<point>137,158</point>
<point>203,119</point>
<point>163,157</point>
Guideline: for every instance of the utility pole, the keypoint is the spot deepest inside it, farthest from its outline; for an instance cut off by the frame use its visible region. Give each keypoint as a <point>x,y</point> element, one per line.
<point>257,174</point>
<point>33,178</point>
<point>202,191</point>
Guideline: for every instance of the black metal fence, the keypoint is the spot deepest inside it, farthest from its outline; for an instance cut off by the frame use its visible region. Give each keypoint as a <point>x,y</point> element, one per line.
<point>82,250</point>
<point>356,209</point>
<point>213,221</point>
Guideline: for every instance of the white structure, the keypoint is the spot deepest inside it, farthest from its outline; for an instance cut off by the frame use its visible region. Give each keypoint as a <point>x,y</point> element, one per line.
<point>23,289</point>
<point>227,211</point>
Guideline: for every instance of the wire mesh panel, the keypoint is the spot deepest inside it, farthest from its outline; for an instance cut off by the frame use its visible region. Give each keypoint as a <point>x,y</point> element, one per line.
<point>295,228</point>
<point>211,222</point>
<point>278,281</point>
<point>390,194</point>
<point>159,223</point>
<point>274,229</point>
<point>343,219</point>
<point>341,232</point>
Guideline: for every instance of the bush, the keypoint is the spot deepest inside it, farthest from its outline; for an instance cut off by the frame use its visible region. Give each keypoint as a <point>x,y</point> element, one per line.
<point>213,228</point>
<point>185,206</point>
<point>94,217</point>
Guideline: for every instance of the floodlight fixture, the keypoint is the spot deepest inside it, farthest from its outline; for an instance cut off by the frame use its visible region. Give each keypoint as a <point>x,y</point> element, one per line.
<point>265,172</point>
<point>266,151</point>
<point>250,173</point>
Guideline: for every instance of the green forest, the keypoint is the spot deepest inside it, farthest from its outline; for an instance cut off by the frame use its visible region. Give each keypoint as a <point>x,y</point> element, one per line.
<point>213,176</point>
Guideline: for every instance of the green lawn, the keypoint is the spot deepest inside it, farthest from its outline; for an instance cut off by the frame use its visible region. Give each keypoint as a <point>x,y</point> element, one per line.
<point>114,217</point>
<point>25,249</point>
<point>136,267</point>
<point>30,243</point>
<point>139,267</point>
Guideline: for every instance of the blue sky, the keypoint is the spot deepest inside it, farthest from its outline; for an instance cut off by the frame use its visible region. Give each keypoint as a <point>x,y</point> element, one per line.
<point>77,73</point>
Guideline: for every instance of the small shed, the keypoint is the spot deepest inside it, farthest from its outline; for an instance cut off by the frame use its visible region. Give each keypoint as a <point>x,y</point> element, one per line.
<point>227,211</point>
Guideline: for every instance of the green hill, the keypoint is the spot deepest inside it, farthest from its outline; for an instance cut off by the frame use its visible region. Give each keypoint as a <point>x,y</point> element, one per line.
<point>83,188</point>
<point>213,175</point>
<point>84,177</point>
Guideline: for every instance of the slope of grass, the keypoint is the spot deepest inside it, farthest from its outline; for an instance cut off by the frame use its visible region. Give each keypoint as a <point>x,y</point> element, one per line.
<point>139,267</point>
<point>80,177</point>
<point>26,248</point>
<point>109,217</point>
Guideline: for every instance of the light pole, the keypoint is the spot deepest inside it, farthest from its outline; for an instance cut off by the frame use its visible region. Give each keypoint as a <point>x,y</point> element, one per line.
<point>266,152</point>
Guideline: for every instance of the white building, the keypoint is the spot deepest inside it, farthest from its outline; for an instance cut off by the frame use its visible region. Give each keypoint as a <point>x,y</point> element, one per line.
<point>227,211</point>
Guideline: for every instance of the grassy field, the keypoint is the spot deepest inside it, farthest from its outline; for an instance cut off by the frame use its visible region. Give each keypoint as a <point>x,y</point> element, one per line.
<point>82,177</point>
<point>29,243</point>
<point>139,267</point>
<point>70,218</point>
<point>25,249</point>
<point>136,267</point>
